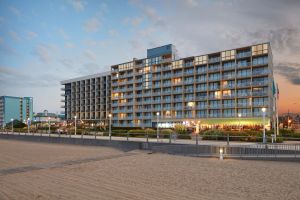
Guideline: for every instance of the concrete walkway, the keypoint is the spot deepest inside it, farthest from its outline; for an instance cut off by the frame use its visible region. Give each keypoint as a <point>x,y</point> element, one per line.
<point>139,139</point>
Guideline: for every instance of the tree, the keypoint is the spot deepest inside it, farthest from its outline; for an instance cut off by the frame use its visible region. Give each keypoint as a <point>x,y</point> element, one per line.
<point>180,129</point>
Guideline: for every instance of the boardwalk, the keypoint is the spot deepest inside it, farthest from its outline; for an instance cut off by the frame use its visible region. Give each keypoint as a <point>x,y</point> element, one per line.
<point>54,171</point>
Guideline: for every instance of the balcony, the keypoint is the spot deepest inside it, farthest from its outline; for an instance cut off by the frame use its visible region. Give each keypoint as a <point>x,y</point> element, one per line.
<point>243,54</point>
<point>214,115</point>
<point>177,91</point>
<point>215,106</point>
<point>167,76</point>
<point>202,80</point>
<point>246,84</point>
<point>244,94</point>
<point>201,89</point>
<point>260,72</point>
<point>259,93</point>
<point>228,67</point>
<point>228,76</point>
<point>177,74</point>
<point>260,83</point>
<point>231,86</point>
<point>190,90</point>
<point>202,71</point>
<point>214,69</point>
<point>214,60</point>
<point>201,107</point>
<point>260,104</point>
<point>243,74</point>
<point>189,73</point>
<point>214,87</point>
<point>228,105</point>
<point>177,99</point>
<point>244,65</point>
<point>202,97</point>
<point>213,78</point>
<point>228,96</point>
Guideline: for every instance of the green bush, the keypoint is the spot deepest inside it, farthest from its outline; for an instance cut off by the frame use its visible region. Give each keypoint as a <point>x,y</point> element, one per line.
<point>180,129</point>
<point>249,136</point>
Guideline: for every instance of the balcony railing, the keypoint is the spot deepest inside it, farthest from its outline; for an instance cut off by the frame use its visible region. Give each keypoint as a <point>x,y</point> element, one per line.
<point>259,83</point>
<point>260,72</point>
<point>246,84</point>
<point>243,54</point>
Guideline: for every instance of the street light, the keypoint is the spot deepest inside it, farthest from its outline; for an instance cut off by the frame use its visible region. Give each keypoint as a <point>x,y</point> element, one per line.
<point>239,115</point>
<point>49,125</point>
<point>109,130</point>
<point>75,123</point>
<point>28,125</point>
<point>289,122</point>
<point>157,132</point>
<point>264,119</point>
<point>12,125</point>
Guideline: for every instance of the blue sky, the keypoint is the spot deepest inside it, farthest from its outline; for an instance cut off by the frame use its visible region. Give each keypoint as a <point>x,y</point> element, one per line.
<point>44,42</point>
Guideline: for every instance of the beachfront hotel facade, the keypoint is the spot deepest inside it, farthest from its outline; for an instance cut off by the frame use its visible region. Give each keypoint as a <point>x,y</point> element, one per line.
<point>15,108</point>
<point>88,98</point>
<point>224,88</point>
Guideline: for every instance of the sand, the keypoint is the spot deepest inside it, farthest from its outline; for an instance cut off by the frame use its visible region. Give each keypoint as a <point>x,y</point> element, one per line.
<point>44,171</point>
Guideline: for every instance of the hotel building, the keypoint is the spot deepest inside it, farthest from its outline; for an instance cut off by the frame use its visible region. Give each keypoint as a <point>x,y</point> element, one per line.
<point>88,98</point>
<point>16,108</point>
<point>223,88</point>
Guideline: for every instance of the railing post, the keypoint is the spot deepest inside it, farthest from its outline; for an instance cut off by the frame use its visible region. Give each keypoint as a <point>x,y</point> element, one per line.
<point>147,139</point>
<point>95,135</point>
<point>170,138</point>
<point>227,139</point>
<point>197,142</point>
<point>127,136</point>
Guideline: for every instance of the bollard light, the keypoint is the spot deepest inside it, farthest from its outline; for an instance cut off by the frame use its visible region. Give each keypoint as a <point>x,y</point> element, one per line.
<point>221,154</point>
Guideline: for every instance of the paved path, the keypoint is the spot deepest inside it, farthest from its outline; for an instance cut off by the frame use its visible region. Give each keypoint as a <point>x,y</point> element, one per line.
<point>139,139</point>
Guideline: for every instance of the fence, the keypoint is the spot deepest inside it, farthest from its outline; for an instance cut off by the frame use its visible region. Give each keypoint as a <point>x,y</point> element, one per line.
<point>263,151</point>
<point>170,145</point>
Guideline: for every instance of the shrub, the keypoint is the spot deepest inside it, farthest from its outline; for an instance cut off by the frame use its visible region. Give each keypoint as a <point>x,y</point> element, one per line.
<point>180,129</point>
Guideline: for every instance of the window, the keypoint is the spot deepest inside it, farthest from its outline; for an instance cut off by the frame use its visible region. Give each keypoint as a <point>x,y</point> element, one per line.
<point>228,55</point>
<point>201,59</point>
<point>260,49</point>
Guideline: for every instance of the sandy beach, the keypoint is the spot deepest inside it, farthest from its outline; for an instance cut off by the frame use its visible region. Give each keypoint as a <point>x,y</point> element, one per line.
<point>58,171</point>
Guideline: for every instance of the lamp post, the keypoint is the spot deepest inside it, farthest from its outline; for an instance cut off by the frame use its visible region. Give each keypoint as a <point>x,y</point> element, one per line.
<point>239,115</point>
<point>49,125</point>
<point>28,125</point>
<point>289,122</point>
<point>75,123</point>
<point>157,131</point>
<point>12,125</point>
<point>109,128</point>
<point>264,119</point>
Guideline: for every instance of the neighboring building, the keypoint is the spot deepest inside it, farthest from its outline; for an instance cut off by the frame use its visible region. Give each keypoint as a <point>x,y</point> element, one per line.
<point>46,116</point>
<point>224,88</point>
<point>17,108</point>
<point>87,97</point>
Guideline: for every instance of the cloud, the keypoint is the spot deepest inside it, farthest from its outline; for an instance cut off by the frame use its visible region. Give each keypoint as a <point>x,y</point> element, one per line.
<point>63,34</point>
<point>31,34</point>
<point>15,36</point>
<point>136,21</point>
<point>290,71</point>
<point>90,54</point>
<point>89,68</point>
<point>45,52</point>
<point>113,33</point>
<point>69,45</point>
<point>67,62</point>
<point>92,25</point>
<point>78,5</point>
<point>6,49</point>
<point>14,10</point>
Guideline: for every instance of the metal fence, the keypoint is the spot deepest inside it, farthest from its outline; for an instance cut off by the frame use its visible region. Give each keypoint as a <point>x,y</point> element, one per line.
<point>194,146</point>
